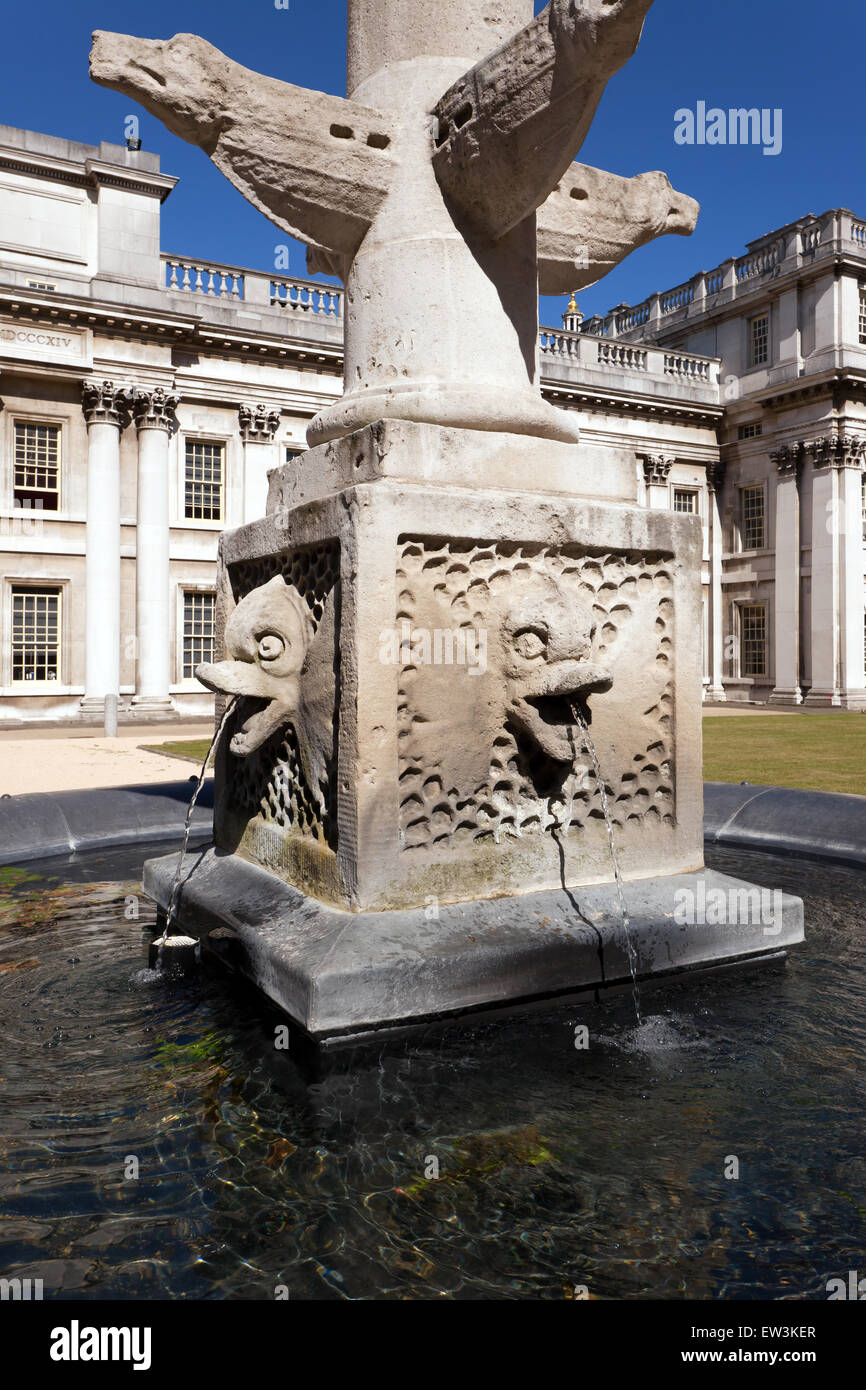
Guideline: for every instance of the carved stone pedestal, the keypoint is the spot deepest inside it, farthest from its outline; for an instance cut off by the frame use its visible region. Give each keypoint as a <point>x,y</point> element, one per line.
<point>415,661</point>
<point>410,658</point>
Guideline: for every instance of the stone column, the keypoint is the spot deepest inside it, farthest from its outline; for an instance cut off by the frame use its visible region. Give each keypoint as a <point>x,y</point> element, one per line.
<point>851,617</point>
<point>837,573</point>
<point>154,419</point>
<point>787,597</point>
<point>258,425</point>
<point>106,410</point>
<point>656,471</point>
<point>716,689</point>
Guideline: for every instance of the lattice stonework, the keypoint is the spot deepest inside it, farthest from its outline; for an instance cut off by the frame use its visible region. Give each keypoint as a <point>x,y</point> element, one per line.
<point>628,599</point>
<point>269,784</point>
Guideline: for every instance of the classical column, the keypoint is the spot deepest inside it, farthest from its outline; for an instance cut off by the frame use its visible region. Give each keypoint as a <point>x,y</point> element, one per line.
<point>787,596</point>
<point>154,419</point>
<point>106,410</point>
<point>837,572</point>
<point>656,471</point>
<point>258,425</point>
<point>716,689</point>
<point>852,459</point>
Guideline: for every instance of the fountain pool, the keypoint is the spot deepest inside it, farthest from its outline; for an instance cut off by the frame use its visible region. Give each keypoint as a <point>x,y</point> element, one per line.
<point>558,1166</point>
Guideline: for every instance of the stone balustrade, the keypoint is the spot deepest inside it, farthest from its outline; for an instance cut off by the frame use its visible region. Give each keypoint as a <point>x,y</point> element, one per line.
<point>762,262</point>
<point>834,232</point>
<point>315,301</point>
<point>555,342</point>
<point>197,277</point>
<point>621,356</point>
<point>810,238</point>
<point>689,367</point>
<point>307,297</point>
<point>677,298</point>
<point>560,347</point>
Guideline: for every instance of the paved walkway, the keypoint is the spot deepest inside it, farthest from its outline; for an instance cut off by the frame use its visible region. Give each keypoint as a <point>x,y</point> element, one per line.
<point>772,709</point>
<point>60,760</point>
<point>737,710</point>
<point>63,759</point>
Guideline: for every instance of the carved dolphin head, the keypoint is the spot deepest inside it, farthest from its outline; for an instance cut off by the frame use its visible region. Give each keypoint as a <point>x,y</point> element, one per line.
<point>181,80</point>
<point>546,644</point>
<point>267,638</point>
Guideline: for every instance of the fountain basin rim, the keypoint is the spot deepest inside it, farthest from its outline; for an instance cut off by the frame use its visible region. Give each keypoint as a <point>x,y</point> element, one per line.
<point>41,825</point>
<point>826,826</point>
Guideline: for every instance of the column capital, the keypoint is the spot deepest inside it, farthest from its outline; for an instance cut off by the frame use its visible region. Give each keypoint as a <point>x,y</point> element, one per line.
<point>258,423</point>
<point>154,409</point>
<point>105,403</point>
<point>838,450</point>
<point>789,457</point>
<point>656,468</point>
<point>716,471</point>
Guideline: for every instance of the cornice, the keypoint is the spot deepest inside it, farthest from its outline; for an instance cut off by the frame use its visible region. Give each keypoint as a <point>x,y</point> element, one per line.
<point>89,174</point>
<point>660,407</point>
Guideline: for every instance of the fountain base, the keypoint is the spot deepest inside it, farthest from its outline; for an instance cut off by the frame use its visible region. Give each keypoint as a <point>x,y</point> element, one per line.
<point>338,973</point>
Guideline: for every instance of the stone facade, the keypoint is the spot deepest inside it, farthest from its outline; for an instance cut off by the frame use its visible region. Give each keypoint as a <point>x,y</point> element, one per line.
<point>145,398</point>
<point>788,323</point>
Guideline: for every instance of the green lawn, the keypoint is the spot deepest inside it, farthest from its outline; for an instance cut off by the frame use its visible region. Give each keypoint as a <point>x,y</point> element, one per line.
<point>194,749</point>
<point>823,752</point>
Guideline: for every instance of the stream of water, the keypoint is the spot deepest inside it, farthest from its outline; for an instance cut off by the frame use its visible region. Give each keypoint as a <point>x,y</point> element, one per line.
<point>608,820</point>
<point>175,887</point>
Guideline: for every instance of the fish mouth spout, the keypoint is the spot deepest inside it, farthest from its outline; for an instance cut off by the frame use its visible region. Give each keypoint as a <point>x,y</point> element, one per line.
<point>244,679</point>
<point>552,707</point>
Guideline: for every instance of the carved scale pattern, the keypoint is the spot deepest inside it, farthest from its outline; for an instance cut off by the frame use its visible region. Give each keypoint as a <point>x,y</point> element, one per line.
<point>513,801</point>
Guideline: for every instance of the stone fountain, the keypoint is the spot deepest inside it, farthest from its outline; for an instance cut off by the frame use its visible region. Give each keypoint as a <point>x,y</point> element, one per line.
<point>444,594</point>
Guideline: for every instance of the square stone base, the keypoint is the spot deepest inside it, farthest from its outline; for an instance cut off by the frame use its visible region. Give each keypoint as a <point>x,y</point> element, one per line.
<point>421,761</point>
<point>337,973</point>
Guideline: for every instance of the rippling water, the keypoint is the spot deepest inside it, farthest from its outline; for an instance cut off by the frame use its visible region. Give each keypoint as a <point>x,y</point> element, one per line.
<point>558,1167</point>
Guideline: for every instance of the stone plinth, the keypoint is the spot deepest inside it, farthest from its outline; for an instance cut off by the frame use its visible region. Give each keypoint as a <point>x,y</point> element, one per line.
<point>422,742</point>
<point>338,974</point>
<point>401,451</point>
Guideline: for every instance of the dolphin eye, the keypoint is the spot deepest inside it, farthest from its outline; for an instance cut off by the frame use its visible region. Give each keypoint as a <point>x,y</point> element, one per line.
<point>271,646</point>
<point>530,643</point>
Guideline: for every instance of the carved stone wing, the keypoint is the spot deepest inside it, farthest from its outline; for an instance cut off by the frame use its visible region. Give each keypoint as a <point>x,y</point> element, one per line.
<point>509,128</point>
<point>593,220</point>
<point>316,165</point>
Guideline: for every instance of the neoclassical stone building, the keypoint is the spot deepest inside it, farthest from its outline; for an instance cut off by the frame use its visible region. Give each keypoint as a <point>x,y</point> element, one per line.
<point>788,323</point>
<point>144,399</point>
<point>147,395</point>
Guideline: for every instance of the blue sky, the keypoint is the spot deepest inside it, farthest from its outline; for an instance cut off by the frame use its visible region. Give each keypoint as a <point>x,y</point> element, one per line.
<point>796,55</point>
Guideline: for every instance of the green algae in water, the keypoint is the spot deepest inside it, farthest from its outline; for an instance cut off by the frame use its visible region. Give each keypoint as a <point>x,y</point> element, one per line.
<point>483,1155</point>
<point>208,1048</point>
<point>11,877</point>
